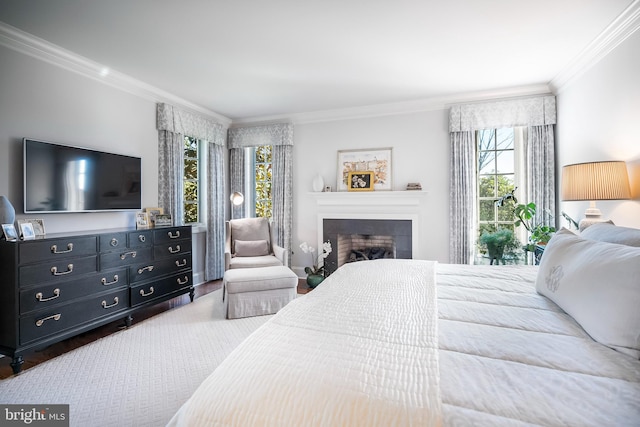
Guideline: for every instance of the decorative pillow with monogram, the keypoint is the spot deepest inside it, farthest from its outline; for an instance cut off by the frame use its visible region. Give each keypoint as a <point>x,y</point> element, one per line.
<point>596,283</point>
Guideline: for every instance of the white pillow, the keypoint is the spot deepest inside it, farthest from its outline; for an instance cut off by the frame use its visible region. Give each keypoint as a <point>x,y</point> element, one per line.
<point>607,232</point>
<point>596,283</point>
<point>251,247</point>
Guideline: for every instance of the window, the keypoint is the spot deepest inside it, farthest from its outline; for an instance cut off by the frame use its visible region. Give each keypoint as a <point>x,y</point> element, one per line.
<point>191,190</point>
<point>258,182</point>
<point>498,173</point>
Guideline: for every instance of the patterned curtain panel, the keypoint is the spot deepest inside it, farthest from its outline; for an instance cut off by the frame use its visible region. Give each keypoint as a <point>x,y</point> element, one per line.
<point>462,195</point>
<point>170,173</point>
<point>236,170</point>
<point>540,149</point>
<point>282,193</point>
<point>215,218</point>
<point>254,136</point>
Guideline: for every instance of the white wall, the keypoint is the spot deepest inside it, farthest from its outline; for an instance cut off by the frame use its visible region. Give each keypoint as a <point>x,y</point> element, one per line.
<point>598,119</point>
<point>45,102</point>
<point>420,144</point>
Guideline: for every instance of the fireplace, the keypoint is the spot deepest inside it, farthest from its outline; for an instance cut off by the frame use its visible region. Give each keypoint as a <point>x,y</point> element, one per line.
<point>355,239</point>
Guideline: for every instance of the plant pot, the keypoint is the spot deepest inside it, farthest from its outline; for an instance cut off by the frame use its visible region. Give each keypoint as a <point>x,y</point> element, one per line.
<point>495,253</point>
<point>314,280</point>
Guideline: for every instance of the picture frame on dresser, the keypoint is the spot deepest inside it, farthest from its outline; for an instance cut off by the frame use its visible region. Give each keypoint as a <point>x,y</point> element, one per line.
<point>378,160</point>
<point>28,233</point>
<point>9,232</point>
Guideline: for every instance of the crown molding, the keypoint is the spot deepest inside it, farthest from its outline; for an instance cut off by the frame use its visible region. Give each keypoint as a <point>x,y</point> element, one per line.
<point>397,108</point>
<point>615,33</point>
<point>38,48</point>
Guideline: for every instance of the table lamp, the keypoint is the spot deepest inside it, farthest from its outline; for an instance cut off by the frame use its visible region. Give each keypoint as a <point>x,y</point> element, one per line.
<point>595,181</point>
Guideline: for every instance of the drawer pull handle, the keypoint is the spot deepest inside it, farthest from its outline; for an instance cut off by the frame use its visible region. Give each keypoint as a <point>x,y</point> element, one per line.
<point>147,268</point>
<point>115,302</point>
<point>56,294</point>
<point>114,242</point>
<point>55,317</point>
<point>54,270</point>
<point>181,264</point>
<point>180,282</point>
<point>105,283</point>
<point>174,251</point>
<point>132,253</point>
<point>142,238</point>
<point>54,249</point>
<point>144,294</point>
<point>173,236</point>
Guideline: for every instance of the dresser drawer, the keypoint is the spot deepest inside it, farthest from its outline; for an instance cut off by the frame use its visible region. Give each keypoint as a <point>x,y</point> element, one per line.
<point>164,250</point>
<point>159,268</point>
<point>113,242</point>
<point>124,257</point>
<point>54,249</point>
<point>171,234</point>
<point>56,319</point>
<point>140,238</point>
<point>45,296</point>
<point>149,291</point>
<point>56,271</point>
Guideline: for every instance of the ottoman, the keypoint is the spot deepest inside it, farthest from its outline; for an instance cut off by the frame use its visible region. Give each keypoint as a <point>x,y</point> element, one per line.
<point>258,291</point>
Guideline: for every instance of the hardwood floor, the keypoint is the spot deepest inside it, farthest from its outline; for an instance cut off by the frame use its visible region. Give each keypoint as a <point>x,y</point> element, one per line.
<point>34,358</point>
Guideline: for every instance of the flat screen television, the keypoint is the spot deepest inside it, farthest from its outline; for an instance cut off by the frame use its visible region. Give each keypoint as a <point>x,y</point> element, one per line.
<point>63,178</point>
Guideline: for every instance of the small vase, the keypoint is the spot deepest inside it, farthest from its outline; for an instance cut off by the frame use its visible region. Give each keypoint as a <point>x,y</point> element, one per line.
<point>318,183</point>
<point>7,212</point>
<point>314,280</point>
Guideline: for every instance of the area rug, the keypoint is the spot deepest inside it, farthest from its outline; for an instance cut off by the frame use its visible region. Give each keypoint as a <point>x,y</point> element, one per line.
<point>139,376</point>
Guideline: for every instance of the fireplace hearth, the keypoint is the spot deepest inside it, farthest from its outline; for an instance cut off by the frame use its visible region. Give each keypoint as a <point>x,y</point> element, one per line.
<point>365,239</point>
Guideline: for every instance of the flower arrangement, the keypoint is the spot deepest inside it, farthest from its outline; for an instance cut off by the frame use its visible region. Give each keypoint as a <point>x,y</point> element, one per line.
<point>316,268</point>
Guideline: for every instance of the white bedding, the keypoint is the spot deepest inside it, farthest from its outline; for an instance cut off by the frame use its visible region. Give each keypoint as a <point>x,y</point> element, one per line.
<point>359,350</point>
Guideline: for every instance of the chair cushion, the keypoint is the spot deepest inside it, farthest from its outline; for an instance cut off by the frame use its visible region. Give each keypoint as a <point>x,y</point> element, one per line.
<point>259,279</point>
<point>254,261</point>
<point>252,248</point>
<point>248,229</point>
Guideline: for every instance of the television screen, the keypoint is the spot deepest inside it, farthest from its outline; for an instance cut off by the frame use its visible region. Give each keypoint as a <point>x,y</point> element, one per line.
<point>62,178</point>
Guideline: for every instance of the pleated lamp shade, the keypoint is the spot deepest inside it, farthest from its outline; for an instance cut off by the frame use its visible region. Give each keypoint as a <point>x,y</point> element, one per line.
<point>595,181</point>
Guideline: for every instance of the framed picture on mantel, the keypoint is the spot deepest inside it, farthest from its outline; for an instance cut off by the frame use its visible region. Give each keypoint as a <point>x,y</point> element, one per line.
<point>377,160</point>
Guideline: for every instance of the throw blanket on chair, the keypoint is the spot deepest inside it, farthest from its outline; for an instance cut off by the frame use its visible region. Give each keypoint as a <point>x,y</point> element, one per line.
<point>361,349</point>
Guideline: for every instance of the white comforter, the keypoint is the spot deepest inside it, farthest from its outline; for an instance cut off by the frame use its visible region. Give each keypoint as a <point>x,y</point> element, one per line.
<point>359,350</point>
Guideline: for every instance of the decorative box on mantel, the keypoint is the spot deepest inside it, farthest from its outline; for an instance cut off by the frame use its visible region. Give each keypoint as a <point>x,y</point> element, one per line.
<point>376,213</point>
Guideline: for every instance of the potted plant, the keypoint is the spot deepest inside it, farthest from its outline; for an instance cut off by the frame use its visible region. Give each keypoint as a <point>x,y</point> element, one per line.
<point>539,233</point>
<point>315,273</point>
<point>499,243</point>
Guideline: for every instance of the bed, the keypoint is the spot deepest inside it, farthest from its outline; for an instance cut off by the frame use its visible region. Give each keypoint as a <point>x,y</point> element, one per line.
<point>408,342</point>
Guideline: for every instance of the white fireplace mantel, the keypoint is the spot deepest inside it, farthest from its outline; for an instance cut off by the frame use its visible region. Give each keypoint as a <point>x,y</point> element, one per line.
<point>405,205</point>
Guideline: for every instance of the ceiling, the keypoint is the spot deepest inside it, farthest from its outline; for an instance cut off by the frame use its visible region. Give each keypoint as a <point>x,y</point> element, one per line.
<point>247,59</point>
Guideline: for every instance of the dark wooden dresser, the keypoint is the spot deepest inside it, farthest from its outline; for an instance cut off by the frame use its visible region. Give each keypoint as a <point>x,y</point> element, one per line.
<point>65,284</point>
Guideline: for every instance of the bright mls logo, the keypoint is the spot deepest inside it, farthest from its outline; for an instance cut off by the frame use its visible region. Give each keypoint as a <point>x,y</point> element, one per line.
<point>34,415</point>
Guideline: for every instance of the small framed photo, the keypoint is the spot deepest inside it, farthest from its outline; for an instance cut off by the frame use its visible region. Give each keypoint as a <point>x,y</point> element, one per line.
<point>27,231</point>
<point>9,231</point>
<point>38,227</point>
<point>151,214</point>
<point>163,220</point>
<point>142,220</point>
<point>361,181</point>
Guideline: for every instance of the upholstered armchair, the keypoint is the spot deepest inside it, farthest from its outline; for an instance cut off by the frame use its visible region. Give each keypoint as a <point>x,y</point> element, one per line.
<point>250,243</point>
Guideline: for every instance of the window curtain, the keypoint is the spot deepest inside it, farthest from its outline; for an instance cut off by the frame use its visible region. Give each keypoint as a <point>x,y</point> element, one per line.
<point>462,196</point>
<point>172,124</point>
<point>280,136</point>
<point>539,115</point>
<point>236,170</point>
